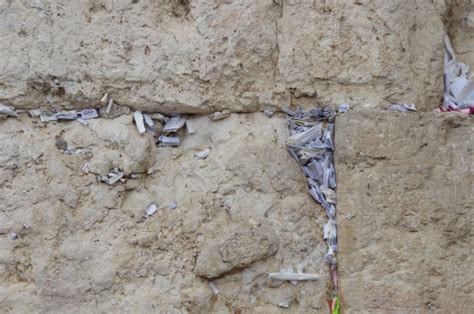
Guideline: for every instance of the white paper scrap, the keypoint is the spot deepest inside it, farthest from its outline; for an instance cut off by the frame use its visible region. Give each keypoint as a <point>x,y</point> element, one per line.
<point>138,117</point>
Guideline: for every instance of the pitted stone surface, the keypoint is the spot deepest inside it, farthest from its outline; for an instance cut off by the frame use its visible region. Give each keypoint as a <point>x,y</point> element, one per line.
<point>201,56</point>
<point>91,248</point>
<point>405,212</point>
<point>236,248</point>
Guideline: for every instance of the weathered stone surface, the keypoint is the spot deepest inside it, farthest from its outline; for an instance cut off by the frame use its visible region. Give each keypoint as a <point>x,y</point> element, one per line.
<point>234,249</point>
<point>200,56</point>
<point>405,212</point>
<point>362,51</point>
<point>89,249</point>
<point>460,26</point>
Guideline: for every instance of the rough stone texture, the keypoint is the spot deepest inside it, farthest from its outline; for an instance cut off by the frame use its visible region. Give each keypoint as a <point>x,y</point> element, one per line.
<point>199,55</point>
<point>113,143</point>
<point>405,212</point>
<point>90,247</point>
<point>460,25</point>
<point>404,180</point>
<point>363,51</point>
<point>235,249</point>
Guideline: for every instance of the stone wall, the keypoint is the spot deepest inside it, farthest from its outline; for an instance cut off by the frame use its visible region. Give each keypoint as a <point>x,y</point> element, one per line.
<point>199,56</point>
<point>405,212</point>
<point>405,217</point>
<point>404,179</point>
<point>89,247</point>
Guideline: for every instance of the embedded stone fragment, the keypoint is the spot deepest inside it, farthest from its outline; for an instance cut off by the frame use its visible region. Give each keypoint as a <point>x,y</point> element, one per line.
<point>236,248</point>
